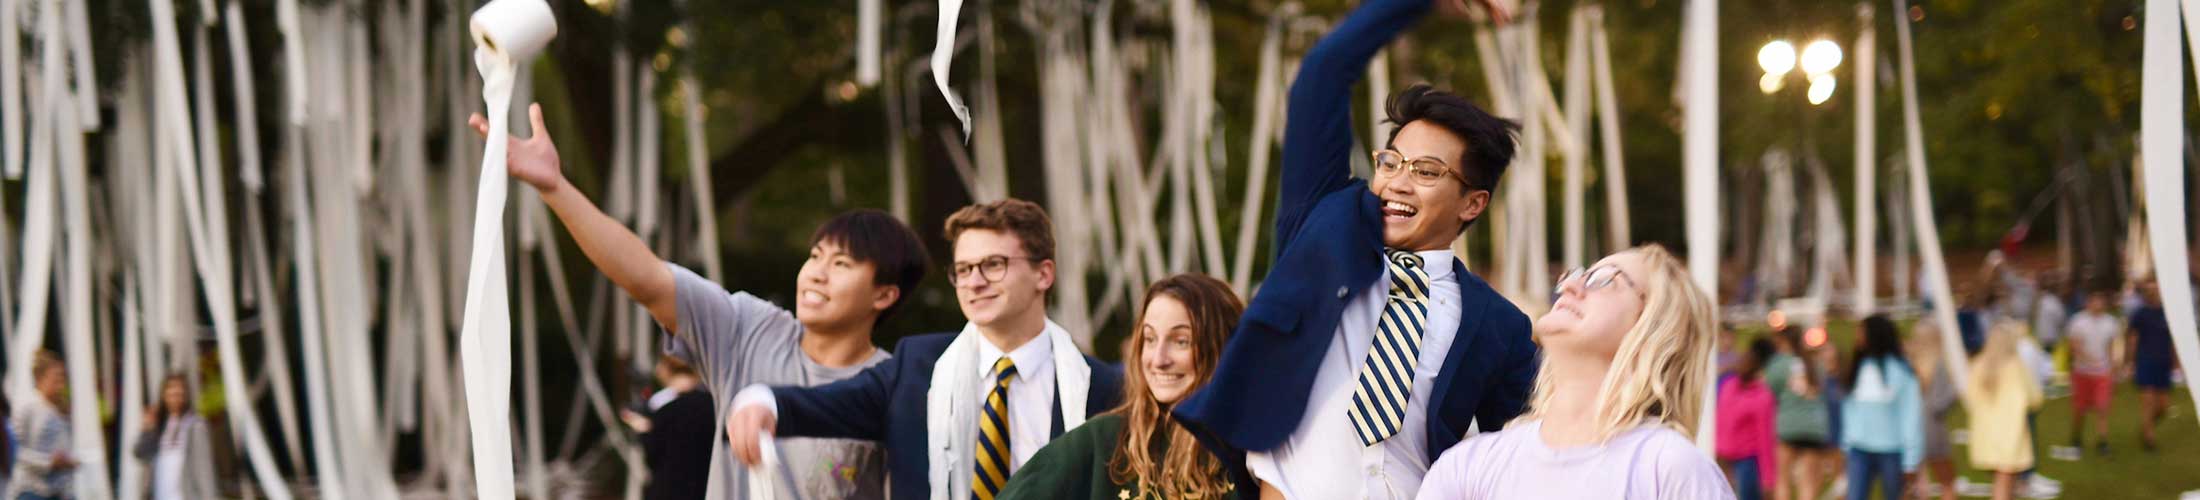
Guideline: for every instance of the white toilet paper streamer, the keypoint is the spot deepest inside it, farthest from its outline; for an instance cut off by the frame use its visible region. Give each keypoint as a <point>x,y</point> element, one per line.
<point>507,32</point>
<point>943,57</point>
<point>11,92</point>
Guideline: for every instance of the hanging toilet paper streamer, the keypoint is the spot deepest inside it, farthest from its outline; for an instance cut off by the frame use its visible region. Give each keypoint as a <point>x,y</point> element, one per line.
<point>506,33</point>
<point>943,57</point>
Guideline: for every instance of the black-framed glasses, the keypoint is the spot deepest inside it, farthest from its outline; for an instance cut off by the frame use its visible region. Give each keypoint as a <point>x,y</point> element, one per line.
<point>1591,279</point>
<point>1424,171</point>
<point>989,269</point>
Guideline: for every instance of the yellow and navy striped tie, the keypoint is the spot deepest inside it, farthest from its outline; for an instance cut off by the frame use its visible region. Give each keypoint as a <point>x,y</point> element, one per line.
<point>1386,381</point>
<point>993,454</point>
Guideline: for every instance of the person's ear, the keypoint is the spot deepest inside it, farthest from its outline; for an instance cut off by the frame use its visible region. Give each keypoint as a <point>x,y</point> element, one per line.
<point>884,297</point>
<point>1477,201</point>
<point>1046,275</point>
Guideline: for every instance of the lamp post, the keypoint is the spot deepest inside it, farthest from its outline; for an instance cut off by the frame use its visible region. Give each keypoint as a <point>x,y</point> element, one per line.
<point>1779,59</point>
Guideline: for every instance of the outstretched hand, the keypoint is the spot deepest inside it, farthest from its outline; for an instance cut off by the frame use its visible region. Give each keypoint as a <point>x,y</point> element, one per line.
<point>533,160</point>
<point>742,429</point>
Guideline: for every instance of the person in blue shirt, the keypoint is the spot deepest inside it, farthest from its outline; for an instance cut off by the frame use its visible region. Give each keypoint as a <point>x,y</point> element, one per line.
<point>1882,432</point>
<point>2151,359</point>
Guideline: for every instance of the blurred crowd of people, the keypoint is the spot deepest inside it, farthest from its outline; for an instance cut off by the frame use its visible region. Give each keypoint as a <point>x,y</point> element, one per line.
<point>1799,417</point>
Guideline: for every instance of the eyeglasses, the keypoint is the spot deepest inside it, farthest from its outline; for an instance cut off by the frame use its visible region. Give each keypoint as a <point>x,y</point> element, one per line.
<point>1591,279</point>
<point>989,269</point>
<point>1426,171</point>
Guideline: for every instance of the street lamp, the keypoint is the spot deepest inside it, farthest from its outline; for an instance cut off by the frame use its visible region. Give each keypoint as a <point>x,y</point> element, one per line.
<point>1778,58</point>
<point>1821,57</point>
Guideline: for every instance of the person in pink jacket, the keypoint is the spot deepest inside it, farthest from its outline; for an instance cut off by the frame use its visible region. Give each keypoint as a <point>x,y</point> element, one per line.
<point>1745,415</point>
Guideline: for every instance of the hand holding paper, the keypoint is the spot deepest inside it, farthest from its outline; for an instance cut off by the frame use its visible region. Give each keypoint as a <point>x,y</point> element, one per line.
<point>532,160</point>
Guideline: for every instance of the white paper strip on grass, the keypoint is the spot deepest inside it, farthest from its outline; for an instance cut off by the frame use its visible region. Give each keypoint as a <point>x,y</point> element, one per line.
<point>621,199</point>
<point>2162,130</point>
<point>538,485</point>
<point>1922,220</point>
<point>868,35</point>
<point>647,160</point>
<point>247,118</point>
<point>943,57</point>
<point>1867,154</point>
<point>1700,170</point>
<point>1615,167</point>
<point>209,246</point>
<point>698,156</point>
<point>1577,120</point>
<point>583,354</point>
<point>11,90</point>
<point>1378,91</point>
<point>273,334</point>
<point>294,60</point>
<point>40,205</point>
<point>131,475</point>
<point>358,105</point>
<point>508,33</point>
<point>1266,84</point>
<point>84,405</point>
<point>988,146</point>
<point>80,52</point>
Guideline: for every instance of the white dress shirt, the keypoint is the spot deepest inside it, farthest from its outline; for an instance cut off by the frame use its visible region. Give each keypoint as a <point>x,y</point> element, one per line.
<point>1030,396</point>
<point>1324,459</point>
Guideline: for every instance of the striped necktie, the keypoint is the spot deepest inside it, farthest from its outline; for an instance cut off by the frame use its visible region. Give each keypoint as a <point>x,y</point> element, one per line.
<point>993,454</point>
<point>1386,380</point>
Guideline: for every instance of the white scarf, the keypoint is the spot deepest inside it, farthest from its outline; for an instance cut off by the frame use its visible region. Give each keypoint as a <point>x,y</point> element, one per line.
<point>950,430</point>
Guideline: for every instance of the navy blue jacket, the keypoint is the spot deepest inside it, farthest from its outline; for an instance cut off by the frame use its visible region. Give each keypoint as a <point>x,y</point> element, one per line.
<point>886,403</point>
<point>1330,250</point>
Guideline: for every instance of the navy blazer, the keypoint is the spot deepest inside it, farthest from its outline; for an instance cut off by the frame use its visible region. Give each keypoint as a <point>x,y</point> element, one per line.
<point>886,403</point>
<point>1329,243</point>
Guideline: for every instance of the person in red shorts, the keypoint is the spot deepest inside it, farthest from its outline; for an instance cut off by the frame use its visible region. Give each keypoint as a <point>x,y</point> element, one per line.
<point>2091,334</point>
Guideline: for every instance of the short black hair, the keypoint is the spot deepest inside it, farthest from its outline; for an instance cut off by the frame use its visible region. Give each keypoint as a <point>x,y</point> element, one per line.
<point>896,256</point>
<point>1489,139</point>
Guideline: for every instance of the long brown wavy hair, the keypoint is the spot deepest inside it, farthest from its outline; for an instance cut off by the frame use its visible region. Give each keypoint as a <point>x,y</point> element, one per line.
<point>1183,469</point>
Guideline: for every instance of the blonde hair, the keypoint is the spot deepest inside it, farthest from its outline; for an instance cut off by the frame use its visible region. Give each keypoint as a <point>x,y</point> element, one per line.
<point>1999,357</point>
<point>1924,352</point>
<point>1659,374</point>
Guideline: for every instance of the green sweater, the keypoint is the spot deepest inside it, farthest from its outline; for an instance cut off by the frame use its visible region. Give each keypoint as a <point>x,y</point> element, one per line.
<point>1801,417</point>
<point>1075,465</point>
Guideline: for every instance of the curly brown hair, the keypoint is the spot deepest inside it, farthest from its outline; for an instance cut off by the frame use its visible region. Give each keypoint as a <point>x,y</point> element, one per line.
<point>1027,220</point>
<point>1183,469</point>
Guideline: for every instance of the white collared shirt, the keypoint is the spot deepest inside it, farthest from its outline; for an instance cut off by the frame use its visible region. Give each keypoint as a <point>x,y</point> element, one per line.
<point>1324,457</point>
<point>1030,395</point>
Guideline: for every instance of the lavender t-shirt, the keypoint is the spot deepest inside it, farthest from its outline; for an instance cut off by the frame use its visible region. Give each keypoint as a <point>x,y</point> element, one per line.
<point>1648,462</point>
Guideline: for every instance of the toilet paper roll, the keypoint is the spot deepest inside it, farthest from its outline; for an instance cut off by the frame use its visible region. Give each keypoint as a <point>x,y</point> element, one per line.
<point>516,29</point>
<point>507,33</point>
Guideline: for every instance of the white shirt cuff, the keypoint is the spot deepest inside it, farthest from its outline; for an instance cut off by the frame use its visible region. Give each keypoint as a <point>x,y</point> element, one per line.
<point>756,395</point>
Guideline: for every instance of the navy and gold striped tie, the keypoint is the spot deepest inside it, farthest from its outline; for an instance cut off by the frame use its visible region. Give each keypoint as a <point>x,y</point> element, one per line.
<point>1386,380</point>
<point>993,454</point>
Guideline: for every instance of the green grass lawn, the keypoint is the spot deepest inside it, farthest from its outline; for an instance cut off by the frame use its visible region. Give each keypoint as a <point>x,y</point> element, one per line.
<point>2128,473</point>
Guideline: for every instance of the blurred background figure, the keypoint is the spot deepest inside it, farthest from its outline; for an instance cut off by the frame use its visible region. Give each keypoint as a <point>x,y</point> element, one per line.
<point>1883,432</point>
<point>675,433</point>
<point>176,446</point>
<point>2151,358</point>
<point>1804,421</point>
<point>43,464</point>
<point>2000,393</point>
<point>1937,478</point>
<point>2092,335</point>
<point>1747,442</point>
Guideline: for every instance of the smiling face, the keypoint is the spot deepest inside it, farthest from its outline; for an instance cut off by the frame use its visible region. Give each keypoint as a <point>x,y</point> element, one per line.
<point>1417,217</point>
<point>1018,291</point>
<point>1593,322</point>
<point>835,292</point>
<point>1166,349</point>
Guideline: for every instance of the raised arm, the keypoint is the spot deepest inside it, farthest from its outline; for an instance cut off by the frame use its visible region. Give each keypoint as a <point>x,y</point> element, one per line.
<point>1317,133</point>
<point>614,249</point>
